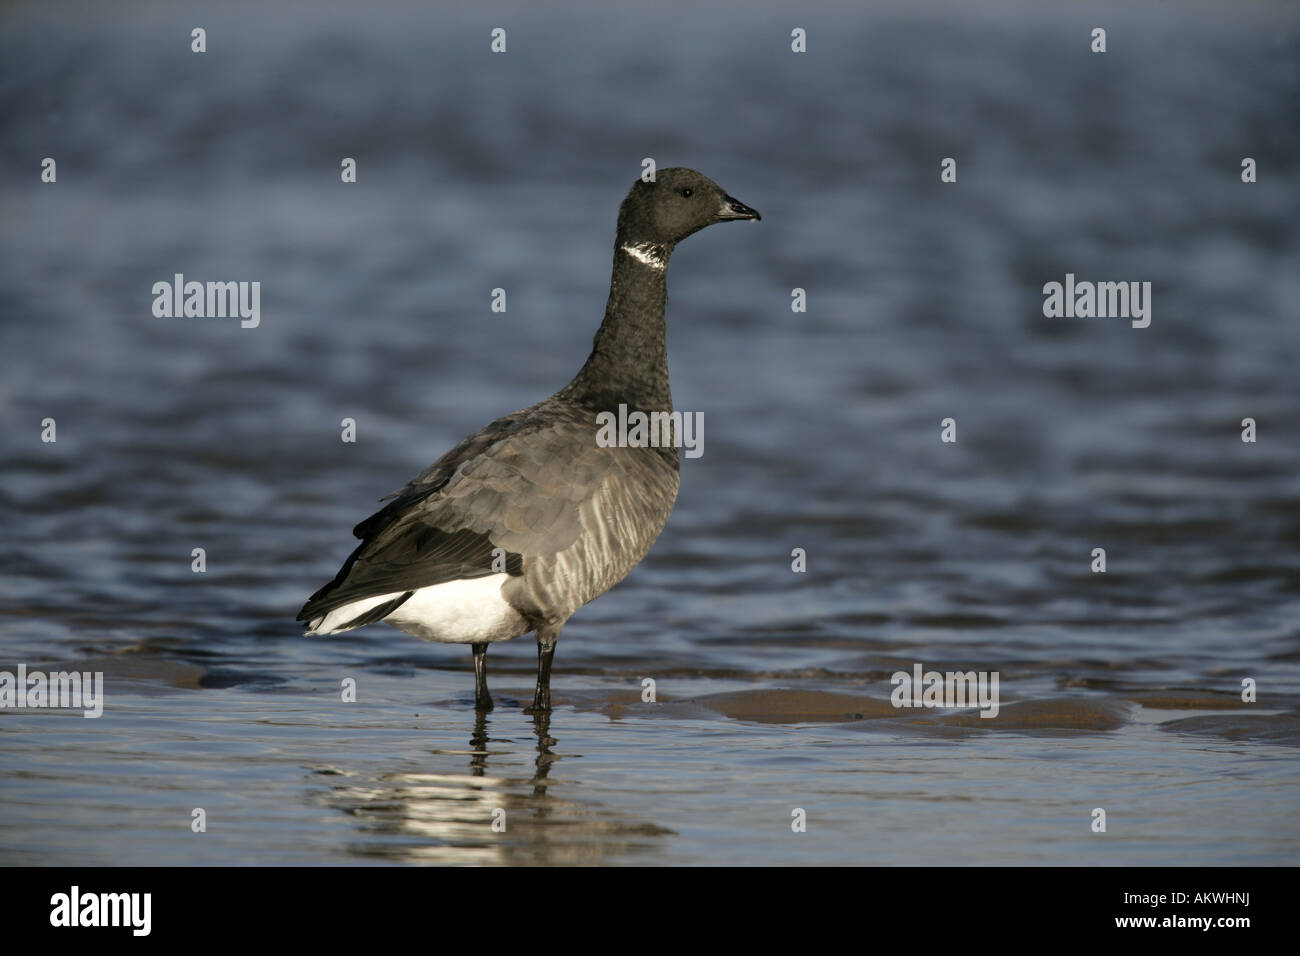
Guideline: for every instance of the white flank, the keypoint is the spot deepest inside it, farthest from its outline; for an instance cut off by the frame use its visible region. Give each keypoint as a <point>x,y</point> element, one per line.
<point>470,611</point>
<point>337,619</point>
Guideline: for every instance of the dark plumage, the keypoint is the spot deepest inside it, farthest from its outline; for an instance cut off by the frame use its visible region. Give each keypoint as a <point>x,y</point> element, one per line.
<point>528,519</point>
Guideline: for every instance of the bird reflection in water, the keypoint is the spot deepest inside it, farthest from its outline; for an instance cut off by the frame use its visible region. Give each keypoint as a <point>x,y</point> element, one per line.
<point>488,815</point>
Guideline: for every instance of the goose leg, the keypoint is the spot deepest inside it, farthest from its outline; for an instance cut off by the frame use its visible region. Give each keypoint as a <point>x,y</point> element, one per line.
<point>546,638</point>
<point>482,699</point>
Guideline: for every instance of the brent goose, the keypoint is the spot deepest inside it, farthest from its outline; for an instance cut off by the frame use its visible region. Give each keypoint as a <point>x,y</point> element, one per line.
<point>530,518</point>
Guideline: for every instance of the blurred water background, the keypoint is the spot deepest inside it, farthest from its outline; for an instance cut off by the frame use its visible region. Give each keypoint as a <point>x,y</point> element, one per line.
<point>478,170</point>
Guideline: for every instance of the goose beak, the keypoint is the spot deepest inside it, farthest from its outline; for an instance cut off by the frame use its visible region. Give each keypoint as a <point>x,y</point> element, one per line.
<point>735,209</point>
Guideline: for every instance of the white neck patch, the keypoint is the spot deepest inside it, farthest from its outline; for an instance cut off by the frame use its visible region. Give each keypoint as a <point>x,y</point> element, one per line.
<point>647,253</point>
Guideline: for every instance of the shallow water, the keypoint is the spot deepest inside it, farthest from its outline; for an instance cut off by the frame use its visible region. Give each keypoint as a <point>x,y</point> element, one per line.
<point>1119,690</point>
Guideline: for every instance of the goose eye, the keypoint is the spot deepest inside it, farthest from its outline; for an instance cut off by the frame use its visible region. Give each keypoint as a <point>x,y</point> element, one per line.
<point>687,193</point>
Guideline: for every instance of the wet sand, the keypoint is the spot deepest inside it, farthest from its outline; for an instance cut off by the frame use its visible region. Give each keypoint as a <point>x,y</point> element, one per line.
<point>289,774</point>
